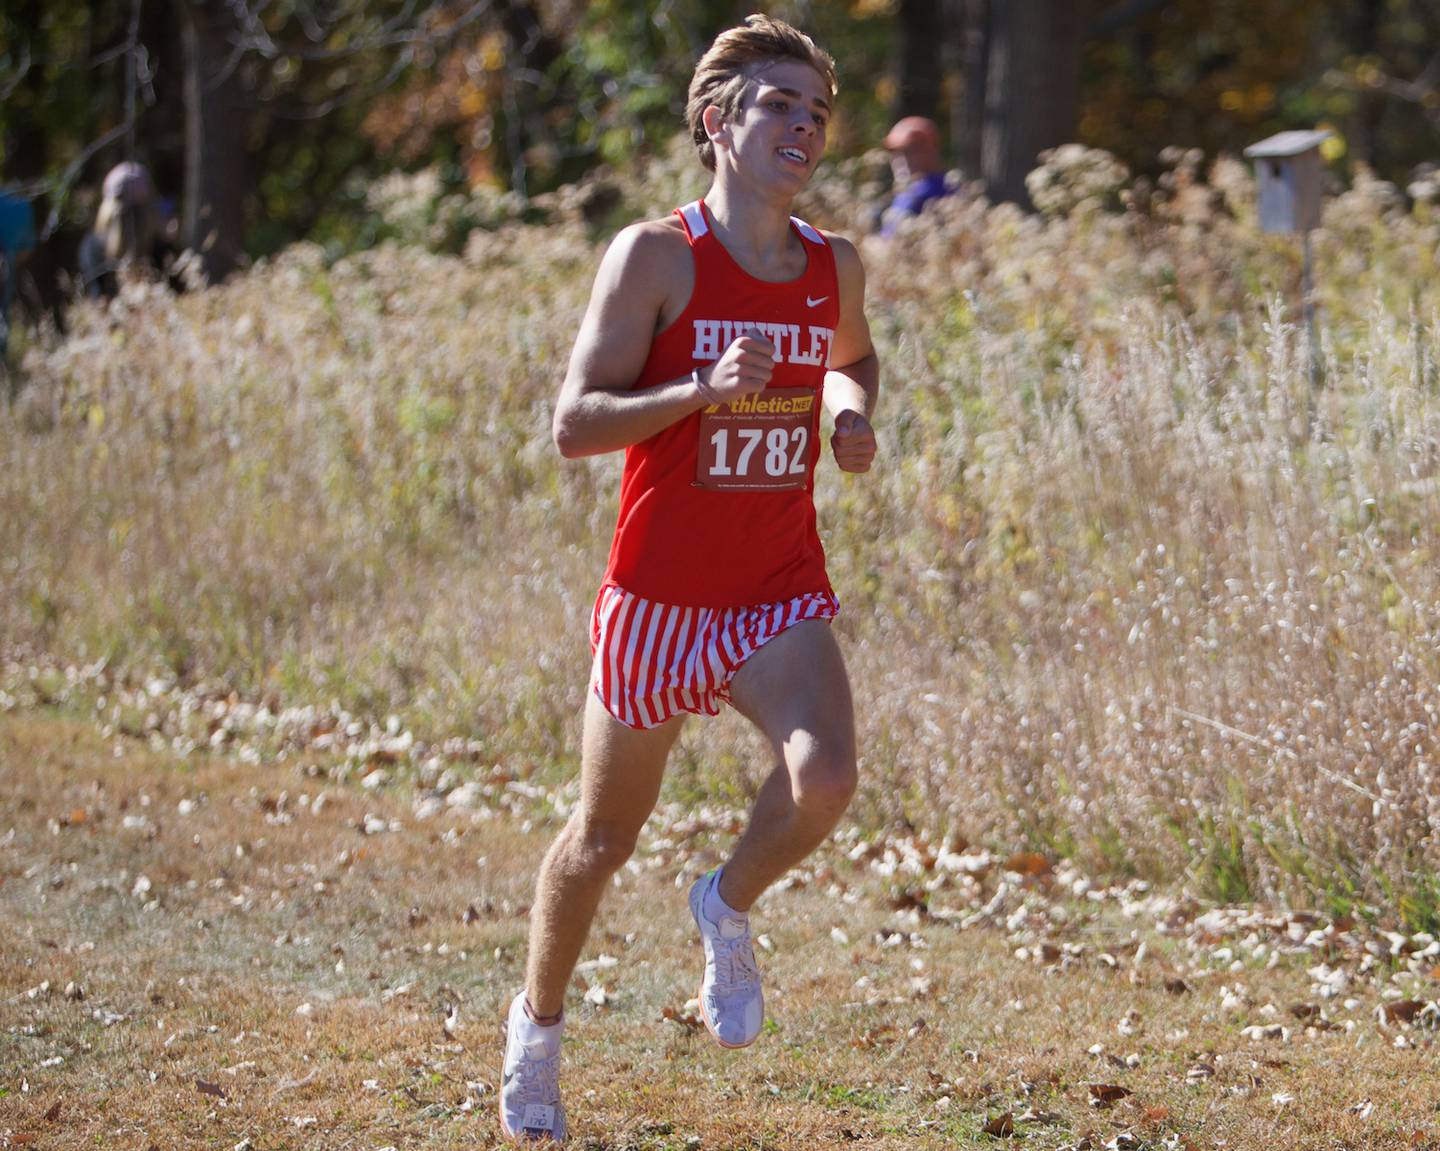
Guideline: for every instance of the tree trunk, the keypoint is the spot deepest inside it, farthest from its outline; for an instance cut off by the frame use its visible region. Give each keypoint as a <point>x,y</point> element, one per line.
<point>212,220</point>
<point>972,29</point>
<point>1364,39</point>
<point>1032,89</point>
<point>532,51</point>
<point>921,39</point>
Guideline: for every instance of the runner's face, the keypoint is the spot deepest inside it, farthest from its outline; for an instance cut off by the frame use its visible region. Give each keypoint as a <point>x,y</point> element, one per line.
<point>782,124</point>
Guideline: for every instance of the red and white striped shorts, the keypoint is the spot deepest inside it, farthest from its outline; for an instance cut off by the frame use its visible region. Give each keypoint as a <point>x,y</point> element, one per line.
<point>655,660</point>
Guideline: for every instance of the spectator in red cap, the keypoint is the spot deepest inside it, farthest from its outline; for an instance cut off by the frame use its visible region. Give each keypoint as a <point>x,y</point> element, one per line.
<point>914,147</point>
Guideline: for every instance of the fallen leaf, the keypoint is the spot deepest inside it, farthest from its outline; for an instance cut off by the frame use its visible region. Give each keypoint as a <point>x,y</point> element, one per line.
<point>1304,1011</point>
<point>54,1112</point>
<point>597,996</point>
<point>1402,1010</point>
<point>210,1089</point>
<point>1028,863</point>
<point>873,1036</point>
<point>289,1084</point>
<point>1107,1094</point>
<point>1157,1114</point>
<point>1177,986</point>
<point>686,1019</point>
<point>1001,1127</point>
<point>1267,1032</point>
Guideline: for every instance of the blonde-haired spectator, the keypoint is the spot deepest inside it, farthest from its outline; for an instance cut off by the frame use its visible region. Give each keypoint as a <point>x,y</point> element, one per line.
<point>128,231</point>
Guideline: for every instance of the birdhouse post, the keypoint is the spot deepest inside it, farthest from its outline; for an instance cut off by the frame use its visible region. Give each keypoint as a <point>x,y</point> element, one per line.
<point>1287,172</point>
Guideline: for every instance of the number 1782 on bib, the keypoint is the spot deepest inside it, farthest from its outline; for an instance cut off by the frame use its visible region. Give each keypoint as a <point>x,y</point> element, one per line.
<point>757,441</point>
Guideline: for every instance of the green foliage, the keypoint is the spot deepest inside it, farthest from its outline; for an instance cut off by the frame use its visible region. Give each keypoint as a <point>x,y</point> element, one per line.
<point>60,91</point>
<point>1225,874</point>
<point>533,97</point>
<point>1217,76</point>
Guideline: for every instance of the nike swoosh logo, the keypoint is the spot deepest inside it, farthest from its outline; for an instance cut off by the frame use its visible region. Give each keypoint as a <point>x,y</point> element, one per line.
<point>809,303</point>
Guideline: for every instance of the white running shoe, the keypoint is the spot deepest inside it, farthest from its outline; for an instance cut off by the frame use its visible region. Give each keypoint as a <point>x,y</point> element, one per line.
<point>731,1002</point>
<point>530,1106</point>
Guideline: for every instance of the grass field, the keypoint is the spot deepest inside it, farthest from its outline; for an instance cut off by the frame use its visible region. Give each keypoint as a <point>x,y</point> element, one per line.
<point>223,949</point>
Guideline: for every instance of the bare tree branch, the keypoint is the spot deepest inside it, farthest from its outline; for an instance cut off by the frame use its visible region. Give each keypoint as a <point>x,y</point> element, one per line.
<point>132,82</point>
<point>402,61</point>
<point>20,71</point>
<point>60,186</point>
<point>1422,90</point>
<point>398,32</point>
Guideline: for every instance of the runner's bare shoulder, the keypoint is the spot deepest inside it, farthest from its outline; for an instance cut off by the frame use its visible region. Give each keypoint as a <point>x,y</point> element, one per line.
<point>649,265</point>
<point>847,257</point>
<point>849,270</point>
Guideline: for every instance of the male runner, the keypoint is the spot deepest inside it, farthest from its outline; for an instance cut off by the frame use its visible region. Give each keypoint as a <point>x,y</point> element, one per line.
<point>711,338</point>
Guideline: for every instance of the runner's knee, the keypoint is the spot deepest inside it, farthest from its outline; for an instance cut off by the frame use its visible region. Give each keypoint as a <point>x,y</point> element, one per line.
<point>823,782</point>
<point>602,847</point>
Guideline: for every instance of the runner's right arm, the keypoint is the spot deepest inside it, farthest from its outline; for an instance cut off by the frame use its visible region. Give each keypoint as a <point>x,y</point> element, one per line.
<point>599,409</point>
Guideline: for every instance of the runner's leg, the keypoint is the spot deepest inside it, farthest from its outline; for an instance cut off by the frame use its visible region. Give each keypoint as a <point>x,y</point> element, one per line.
<point>620,773</point>
<point>796,691</point>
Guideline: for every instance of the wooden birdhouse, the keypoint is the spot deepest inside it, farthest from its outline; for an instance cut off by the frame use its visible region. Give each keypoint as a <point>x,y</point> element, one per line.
<point>1288,169</point>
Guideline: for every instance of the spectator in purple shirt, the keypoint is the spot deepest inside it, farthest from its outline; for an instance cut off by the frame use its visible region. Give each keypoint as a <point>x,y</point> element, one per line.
<point>914,147</point>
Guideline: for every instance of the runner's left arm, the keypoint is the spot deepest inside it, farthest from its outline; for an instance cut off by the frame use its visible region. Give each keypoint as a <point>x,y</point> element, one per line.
<point>852,382</point>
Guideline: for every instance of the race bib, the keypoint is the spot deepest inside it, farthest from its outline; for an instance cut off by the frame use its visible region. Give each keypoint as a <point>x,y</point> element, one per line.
<point>758,441</point>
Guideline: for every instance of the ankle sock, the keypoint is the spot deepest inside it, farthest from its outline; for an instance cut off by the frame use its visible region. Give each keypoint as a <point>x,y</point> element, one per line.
<point>715,908</point>
<point>545,1028</point>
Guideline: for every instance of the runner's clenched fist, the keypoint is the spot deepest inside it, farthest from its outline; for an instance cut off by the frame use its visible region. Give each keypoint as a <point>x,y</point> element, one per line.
<point>853,442</point>
<point>744,369</point>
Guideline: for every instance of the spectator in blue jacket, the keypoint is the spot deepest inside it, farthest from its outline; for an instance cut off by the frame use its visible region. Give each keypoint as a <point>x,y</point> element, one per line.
<point>914,147</point>
<point>17,238</point>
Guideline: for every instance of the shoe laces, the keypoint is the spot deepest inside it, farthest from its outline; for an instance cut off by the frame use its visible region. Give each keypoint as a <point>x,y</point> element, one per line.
<point>537,1079</point>
<point>735,965</point>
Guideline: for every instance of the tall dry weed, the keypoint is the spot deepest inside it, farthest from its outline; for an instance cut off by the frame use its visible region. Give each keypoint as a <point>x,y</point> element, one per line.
<point>1121,585</point>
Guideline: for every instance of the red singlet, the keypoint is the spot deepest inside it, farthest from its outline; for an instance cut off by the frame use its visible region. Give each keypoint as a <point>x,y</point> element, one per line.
<point>717,510</point>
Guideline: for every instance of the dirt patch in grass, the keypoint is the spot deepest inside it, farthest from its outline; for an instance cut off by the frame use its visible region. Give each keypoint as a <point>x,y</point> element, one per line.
<point>203,951</point>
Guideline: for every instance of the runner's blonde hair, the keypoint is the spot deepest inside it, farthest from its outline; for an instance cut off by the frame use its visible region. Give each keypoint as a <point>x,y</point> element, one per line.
<point>738,55</point>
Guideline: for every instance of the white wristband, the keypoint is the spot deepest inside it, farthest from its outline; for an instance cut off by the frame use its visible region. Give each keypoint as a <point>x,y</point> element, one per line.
<point>707,393</point>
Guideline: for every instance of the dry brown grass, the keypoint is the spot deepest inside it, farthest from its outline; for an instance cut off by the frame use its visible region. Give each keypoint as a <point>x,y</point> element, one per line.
<point>910,1031</point>
<point>1120,588</point>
